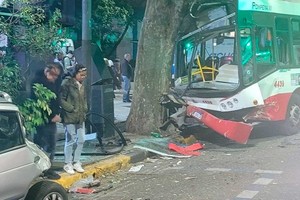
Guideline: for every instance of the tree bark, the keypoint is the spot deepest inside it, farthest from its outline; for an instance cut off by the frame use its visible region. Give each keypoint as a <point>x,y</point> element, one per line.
<point>159,32</point>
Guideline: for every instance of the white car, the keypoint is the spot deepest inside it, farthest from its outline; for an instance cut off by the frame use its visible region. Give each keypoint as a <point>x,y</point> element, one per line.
<point>22,163</point>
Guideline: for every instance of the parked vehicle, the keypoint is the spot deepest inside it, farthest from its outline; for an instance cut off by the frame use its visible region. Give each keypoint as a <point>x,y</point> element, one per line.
<point>22,162</point>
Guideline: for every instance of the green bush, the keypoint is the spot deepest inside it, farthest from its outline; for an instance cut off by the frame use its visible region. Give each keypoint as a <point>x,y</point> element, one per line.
<point>10,80</point>
<point>36,112</point>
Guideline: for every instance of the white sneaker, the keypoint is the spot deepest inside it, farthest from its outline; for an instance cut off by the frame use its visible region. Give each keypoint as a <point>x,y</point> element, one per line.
<point>77,166</point>
<point>69,168</point>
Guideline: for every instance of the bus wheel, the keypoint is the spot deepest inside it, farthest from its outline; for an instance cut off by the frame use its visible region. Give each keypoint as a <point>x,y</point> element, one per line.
<point>292,123</point>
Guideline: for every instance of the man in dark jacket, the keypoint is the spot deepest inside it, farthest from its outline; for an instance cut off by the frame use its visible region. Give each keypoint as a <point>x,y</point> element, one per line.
<point>46,134</point>
<point>126,71</point>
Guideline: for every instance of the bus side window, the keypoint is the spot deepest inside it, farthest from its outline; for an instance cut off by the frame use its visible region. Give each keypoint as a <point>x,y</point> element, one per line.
<point>296,39</point>
<point>282,40</point>
<point>283,56</point>
<point>296,49</point>
<point>264,47</point>
<point>247,56</point>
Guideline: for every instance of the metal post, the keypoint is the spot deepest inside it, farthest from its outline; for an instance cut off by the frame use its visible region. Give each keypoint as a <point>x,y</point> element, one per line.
<point>86,44</point>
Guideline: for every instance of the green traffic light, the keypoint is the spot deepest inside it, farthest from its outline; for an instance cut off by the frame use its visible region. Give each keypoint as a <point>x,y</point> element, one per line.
<point>188,45</point>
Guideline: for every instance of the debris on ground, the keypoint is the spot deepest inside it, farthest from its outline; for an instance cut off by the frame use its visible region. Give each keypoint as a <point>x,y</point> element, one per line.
<point>90,190</point>
<point>156,135</point>
<point>88,186</point>
<point>191,139</point>
<point>191,150</point>
<point>136,168</point>
<point>158,146</point>
<point>151,160</point>
<point>170,147</point>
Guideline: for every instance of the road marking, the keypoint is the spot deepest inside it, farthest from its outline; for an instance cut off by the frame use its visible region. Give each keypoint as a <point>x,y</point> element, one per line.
<point>218,169</point>
<point>258,184</point>
<point>247,194</point>
<point>260,171</point>
<point>263,181</point>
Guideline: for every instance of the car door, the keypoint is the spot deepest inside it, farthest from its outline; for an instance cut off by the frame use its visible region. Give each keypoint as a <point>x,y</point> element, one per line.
<point>16,160</point>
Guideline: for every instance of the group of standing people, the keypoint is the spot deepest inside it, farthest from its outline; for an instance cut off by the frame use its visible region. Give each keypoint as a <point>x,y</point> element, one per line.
<point>65,79</point>
<point>70,108</point>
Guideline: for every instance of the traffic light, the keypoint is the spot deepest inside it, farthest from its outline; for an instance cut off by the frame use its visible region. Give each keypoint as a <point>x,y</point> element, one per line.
<point>188,45</point>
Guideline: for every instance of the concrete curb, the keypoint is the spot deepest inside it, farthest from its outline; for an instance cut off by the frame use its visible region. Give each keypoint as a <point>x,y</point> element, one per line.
<point>102,167</point>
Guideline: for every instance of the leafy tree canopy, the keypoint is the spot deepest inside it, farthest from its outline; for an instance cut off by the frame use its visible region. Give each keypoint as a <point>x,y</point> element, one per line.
<point>26,27</point>
<point>111,19</point>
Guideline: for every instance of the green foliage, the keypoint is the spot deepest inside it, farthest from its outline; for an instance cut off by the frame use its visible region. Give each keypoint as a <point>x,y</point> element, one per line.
<point>10,79</point>
<point>28,30</point>
<point>36,112</point>
<point>110,20</point>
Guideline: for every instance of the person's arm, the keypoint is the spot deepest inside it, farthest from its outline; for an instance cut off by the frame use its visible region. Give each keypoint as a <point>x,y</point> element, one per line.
<point>85,103</point>
<point>64,92</point>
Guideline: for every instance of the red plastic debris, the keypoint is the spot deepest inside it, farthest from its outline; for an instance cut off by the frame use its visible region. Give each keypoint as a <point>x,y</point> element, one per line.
<point>194,147</point>
<point>83,190</point>
<point>189,150</point>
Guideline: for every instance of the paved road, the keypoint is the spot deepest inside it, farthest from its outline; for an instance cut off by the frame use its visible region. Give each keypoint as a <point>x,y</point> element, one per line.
<point>264,169</point>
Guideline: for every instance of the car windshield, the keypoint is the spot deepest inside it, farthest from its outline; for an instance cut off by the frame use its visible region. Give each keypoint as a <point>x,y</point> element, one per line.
<point>10,130</point>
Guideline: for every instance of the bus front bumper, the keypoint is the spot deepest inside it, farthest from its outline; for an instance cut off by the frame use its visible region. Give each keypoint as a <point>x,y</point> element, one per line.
<point>236,131</point>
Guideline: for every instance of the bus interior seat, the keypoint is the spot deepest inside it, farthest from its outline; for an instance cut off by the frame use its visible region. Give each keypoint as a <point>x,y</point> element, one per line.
<point>207,73</point>
<point>212,61</point>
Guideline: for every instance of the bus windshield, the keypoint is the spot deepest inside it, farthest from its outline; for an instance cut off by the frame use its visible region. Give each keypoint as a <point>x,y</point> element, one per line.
<point>209,59</point>
<point>205,58</point>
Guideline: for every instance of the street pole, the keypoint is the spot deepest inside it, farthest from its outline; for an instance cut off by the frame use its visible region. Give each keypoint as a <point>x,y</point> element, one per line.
<point>86,44</point>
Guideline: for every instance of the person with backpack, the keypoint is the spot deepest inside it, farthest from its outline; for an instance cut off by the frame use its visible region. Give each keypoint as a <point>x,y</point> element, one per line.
<point>69,62</point>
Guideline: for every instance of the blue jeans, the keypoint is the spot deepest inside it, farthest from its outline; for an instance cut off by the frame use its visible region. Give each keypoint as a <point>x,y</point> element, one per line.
<point>126,88</point>
<point>75,137</point>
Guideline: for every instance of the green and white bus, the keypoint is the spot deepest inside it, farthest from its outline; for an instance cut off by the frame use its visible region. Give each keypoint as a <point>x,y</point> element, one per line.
<point>241,66</point>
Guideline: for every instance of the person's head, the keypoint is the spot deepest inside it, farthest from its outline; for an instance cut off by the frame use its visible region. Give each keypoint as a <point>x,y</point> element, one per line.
<point>79,72</point>
<point>52,72</point>
<point>117,62</point>
<point>127,56</point>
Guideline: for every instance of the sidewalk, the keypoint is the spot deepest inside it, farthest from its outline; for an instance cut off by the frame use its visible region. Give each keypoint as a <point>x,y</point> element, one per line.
<point>97,165</point>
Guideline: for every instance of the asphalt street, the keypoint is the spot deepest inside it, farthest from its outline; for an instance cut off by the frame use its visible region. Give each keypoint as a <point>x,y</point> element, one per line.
<point>267,167</point>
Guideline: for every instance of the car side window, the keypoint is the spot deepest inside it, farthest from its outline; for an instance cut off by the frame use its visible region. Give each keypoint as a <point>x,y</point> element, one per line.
<point>10,131</point>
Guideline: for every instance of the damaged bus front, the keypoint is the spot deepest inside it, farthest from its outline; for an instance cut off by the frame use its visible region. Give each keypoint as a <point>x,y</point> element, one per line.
<point>240,66</point>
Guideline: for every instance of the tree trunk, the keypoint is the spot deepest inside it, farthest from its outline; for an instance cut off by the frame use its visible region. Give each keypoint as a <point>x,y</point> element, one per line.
<point>154,59</point>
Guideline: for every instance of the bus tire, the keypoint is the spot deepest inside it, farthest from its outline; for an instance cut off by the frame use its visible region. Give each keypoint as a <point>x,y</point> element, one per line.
<point>291,125</point>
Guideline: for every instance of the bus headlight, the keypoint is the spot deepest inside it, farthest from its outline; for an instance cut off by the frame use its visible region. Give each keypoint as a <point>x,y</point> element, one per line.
<point>230,104</point>
<point>223,106</point>
<point>235,100</point>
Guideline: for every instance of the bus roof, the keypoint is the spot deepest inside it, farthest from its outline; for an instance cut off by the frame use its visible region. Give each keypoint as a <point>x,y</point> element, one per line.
<point>289,7</point>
